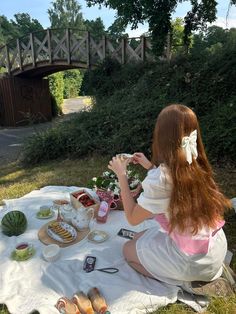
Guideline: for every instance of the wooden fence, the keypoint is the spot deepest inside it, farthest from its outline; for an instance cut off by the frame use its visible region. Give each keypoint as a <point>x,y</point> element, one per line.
<point>24,101</point>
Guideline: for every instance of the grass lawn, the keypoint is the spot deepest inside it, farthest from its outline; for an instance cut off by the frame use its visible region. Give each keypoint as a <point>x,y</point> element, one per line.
<point>16,181</point>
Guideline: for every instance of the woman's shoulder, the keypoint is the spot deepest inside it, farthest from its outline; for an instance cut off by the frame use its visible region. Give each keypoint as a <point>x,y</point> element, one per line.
<point>159,176</point>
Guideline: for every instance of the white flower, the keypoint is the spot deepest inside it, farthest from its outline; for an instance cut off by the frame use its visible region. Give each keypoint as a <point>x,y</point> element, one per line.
<point>94,179</point>
<point>106,174</point>
<point>116,191</point>
<point>110,185</point>
<point>134,183</point>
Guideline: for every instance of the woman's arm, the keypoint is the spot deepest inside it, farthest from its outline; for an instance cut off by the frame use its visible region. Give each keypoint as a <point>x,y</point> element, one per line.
<point>135,214</point>
<point>140,158</point>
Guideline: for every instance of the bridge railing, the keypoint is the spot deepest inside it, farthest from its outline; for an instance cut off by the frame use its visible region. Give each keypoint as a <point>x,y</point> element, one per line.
<point>69,46</point>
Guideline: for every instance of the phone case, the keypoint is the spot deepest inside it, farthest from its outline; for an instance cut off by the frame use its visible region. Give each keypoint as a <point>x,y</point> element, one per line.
<point>125,233</point>
<point>89,263</point>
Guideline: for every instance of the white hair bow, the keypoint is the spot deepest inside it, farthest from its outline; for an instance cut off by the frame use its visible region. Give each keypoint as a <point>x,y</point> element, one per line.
<point>189,145</point>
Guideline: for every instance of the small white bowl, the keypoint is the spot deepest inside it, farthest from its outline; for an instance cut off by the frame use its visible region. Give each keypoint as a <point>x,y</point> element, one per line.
<point>51,252</point>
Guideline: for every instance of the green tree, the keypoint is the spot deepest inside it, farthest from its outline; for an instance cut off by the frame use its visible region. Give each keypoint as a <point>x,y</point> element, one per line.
<point>65,14</point>
<point>96,28</point>
<point>158,15</point>
<point>7,30</point>
<point>72,83</point>
<point>177,34</point>
<point>215,34</point>
<point>56,87</point>
<point>213,40</point>
<point>21,25</point>
<point>117,30</point>
<point>24,24</point>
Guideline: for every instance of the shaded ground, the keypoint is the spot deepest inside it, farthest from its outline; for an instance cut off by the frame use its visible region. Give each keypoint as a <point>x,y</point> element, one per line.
<point>11,139</point>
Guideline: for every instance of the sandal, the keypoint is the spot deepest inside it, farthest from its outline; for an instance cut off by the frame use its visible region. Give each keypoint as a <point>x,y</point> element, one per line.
<point>66,306</point>
<point>219,287</point>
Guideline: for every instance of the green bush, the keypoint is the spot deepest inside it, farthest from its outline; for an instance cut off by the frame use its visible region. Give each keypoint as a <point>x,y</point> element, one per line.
<point>56,110</point>
<point>72,83</point>
<point>219,132</point>
<point>129,98</point>
<point>56,87</point>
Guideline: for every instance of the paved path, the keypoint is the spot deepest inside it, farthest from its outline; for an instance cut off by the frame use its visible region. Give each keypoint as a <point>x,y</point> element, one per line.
<point>74,104</point>
<point>11,139</point>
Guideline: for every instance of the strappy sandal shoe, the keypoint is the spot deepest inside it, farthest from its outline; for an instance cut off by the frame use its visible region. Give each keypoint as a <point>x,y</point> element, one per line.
<point>229,275</point>
<point>219,287</point>
<point>83,303</point>
<point>66,306</point>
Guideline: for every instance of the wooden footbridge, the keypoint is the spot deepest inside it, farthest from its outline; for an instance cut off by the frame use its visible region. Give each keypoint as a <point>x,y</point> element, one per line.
<point>44,52</point>
<point>28,60</point>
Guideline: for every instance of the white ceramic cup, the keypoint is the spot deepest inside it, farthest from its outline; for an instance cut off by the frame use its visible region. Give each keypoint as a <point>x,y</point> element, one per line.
<point>51,252</point>
<point>45,210</point>
<point>22,249</point>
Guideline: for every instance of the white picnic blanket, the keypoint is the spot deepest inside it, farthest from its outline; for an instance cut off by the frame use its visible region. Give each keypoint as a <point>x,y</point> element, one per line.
<point>37,284</point>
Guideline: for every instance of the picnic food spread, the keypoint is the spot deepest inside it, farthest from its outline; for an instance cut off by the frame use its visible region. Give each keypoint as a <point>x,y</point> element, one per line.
<point>36,284</point>
<point>62,231</point>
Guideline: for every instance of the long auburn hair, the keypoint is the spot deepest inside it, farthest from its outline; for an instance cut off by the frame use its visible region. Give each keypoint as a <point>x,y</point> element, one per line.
<point>195,199</point>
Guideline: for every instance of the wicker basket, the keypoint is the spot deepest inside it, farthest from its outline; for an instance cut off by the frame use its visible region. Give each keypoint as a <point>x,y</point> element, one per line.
<point>115,201</point>
<point>105,195</point>
<point>135,193</point>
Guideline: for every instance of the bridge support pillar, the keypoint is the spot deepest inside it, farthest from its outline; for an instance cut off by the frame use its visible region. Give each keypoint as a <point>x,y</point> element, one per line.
<point>24,101</point>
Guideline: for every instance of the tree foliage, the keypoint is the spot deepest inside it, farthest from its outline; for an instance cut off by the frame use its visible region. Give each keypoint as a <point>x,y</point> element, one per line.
<point>72,83</point>
<point>21,25</point>
<point>66,13</point>
<point>7,30</point>
<point>56,86</point>
<point>177,33</point>
<point>158,15</point>
<point>117,30</point>
<point>96,28</point>
<point>24,24</point>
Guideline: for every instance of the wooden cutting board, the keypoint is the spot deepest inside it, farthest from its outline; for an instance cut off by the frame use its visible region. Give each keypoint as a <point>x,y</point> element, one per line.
<point>46,239</point>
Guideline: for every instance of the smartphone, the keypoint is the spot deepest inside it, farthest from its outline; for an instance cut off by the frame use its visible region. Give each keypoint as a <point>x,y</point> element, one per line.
<point>89,263</point>
<point>125,233</point>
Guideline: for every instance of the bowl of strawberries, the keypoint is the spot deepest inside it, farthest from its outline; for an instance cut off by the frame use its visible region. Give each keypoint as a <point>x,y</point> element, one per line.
<point>84,198</point>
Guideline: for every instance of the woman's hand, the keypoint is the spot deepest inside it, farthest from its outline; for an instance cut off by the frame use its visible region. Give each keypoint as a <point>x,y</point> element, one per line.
<point>140,158</point>
<point>118,165</point>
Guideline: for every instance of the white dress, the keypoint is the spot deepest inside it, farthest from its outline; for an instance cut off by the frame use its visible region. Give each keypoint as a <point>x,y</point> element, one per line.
<point>177,258</point>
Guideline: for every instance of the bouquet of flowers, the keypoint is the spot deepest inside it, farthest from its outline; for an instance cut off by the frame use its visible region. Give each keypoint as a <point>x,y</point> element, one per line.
<point>107,186</point>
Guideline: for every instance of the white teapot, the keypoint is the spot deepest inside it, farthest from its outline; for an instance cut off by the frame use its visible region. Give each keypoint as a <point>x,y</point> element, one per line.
<point>82,218</point>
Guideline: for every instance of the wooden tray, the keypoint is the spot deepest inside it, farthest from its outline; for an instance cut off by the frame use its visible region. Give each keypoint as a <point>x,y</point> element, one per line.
<point>44,237</point>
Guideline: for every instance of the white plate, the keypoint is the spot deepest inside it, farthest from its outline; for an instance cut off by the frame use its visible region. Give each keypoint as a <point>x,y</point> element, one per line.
<point>40,216</point>
<point>98,236</point>
<point>54,235</point>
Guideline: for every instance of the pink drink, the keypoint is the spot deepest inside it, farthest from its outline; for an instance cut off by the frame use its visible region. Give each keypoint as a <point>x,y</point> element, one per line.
<point>103,212</point>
